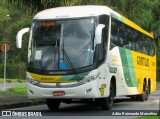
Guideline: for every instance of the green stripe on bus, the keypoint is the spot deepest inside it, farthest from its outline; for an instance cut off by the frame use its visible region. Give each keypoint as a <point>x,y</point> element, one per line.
<point>117,17</point>
<point>74,77</point>
<point>128,67</point>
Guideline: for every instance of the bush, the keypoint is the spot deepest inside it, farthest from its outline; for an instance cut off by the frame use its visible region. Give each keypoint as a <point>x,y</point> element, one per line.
<point>14,71</point>
<point>19,80</point>
<point>8,81</point>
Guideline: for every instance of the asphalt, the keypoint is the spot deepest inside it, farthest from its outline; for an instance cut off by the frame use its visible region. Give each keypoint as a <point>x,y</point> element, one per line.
<point>9,101</point>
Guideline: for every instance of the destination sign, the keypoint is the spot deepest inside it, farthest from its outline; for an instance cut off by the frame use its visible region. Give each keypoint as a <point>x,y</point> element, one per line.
<point>48,23</point>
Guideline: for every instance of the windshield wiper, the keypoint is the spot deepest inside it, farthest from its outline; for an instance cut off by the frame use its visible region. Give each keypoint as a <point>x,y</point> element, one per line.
<point>50,59</point>
<point>63,50</point>
<point>68,59</point>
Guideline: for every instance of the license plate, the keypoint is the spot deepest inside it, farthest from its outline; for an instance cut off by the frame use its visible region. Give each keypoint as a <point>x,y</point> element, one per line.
<point>58,93</point>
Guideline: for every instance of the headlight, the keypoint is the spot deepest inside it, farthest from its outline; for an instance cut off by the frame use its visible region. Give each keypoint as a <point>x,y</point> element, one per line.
<point>89,79</point>
<point>31,81</point>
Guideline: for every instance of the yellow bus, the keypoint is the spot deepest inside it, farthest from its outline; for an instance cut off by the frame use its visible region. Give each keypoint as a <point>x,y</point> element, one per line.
<point>88,53</point>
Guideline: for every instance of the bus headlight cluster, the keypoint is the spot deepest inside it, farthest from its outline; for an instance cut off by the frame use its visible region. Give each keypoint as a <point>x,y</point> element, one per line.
<point>31,81</point>
<point>89,79</point>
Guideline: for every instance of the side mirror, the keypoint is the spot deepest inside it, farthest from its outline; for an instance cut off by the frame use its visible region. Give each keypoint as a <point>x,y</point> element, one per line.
<point>98,33</point>
<point>19,37</point>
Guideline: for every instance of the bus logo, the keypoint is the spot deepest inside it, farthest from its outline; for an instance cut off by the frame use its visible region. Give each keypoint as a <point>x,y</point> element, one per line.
<point>58,85</point>
<point>103,86</point>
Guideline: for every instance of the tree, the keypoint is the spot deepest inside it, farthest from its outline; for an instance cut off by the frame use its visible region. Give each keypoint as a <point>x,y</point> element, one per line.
<point>4,20</point>
<point>39,5</point>
<point>145,13</point>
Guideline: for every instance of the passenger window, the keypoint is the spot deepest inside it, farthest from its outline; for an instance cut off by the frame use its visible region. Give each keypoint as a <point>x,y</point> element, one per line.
<point>136,41</point>
<point>128,38</point>
<point>114,34</point>
<point>148,45</point>
<point>144,44</point>
<point>122,35</point>
<point>152,51</point>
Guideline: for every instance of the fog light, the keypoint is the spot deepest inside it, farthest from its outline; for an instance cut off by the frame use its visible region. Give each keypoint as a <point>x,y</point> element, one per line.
<point>89,90</point>
<point>31,92</point>
<point>31,81</point>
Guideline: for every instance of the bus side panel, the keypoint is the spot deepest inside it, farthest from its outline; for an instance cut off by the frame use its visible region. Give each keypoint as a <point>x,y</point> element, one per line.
<point>145,69</point>
<point>121,61</point>
<point>138,67</point>
<point>132,68</point>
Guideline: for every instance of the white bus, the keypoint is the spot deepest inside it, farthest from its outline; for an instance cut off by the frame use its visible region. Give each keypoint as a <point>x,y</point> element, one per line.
<point>88,53</point>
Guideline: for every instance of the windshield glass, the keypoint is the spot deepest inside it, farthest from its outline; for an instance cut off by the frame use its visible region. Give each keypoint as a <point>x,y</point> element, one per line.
<point>61,45</point>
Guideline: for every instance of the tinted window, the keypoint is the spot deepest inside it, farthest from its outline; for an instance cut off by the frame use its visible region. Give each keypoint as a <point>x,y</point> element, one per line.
<point>115,40</point>
<point>129,38</point>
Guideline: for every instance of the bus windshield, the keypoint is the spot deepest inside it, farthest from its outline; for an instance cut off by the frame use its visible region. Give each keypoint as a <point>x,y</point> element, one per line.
<point>61,45</point>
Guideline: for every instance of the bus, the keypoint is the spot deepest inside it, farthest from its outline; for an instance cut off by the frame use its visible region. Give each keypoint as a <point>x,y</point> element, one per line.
<point>88,53</point>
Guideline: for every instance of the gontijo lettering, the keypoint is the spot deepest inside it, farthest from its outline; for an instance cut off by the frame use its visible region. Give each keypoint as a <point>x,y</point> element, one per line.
<point>142,61</point>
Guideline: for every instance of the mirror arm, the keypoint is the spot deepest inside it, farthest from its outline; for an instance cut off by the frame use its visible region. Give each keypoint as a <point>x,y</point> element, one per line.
<point>98,33</point>
<point>19,37</point>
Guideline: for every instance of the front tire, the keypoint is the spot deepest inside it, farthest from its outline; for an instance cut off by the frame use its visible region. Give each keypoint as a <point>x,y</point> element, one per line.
<point>134,97</point>
<point>106,103</point>
<point>53,104</point>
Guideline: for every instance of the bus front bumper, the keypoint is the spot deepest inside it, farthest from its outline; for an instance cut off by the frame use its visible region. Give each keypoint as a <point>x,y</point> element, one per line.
<point>85,91</point>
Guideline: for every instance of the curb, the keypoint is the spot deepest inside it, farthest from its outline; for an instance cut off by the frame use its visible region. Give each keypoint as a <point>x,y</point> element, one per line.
<point>21,104</point>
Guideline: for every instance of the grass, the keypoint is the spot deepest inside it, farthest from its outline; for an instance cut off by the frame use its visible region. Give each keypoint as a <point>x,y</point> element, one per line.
<point>158,83</point>
<point>15,90</point>
<point>148,117</point>
<point>12,80</point>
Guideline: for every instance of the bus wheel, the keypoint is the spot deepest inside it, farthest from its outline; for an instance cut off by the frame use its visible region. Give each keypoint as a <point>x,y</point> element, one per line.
<point>53,104</point>
<point>134,98</point>
<point>142,97</point>
<point>106,103</point>
<point>147,93</point>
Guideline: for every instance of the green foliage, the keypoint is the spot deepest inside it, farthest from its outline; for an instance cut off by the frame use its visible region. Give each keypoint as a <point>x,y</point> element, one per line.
<point>9,81</point>
<point>14,70</point>
<point>13,80</point>
<point>4,18</point>
<point>19,80</point>
<point>15,90</point>
<point>148,117</point>
<point>145,13</point>
<point>19,89</point>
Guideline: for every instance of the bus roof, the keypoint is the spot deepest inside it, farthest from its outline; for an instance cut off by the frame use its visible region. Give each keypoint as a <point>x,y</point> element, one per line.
<point>86,11</point>
<point>72,12</point>
<point>129,22</point>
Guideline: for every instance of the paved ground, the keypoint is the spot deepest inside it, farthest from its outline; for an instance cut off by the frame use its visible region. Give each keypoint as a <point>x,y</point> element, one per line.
<point>19,100</point>
<point>93,111</point>
<point>8,101</point>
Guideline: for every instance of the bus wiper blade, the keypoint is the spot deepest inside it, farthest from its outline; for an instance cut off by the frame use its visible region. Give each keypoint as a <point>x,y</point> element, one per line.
<point>68,59</point>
